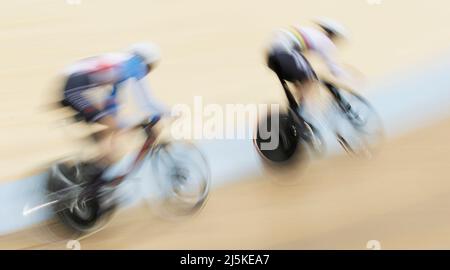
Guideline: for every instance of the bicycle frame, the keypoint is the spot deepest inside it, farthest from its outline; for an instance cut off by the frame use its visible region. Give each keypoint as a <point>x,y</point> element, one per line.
<point>145,149</point>
<point>291,99</point>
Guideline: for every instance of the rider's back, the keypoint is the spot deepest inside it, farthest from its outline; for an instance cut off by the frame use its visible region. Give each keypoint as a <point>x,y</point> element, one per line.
<point>303,39</point>
<point>108,68</point>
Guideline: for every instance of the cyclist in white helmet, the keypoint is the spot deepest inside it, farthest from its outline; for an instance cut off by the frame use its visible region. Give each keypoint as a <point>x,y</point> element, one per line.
<point>286,53</point>
<point>114,70</point>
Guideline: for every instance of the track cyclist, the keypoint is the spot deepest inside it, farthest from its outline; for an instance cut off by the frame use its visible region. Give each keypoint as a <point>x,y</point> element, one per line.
<point>111,70</point>
<point>286,57</point>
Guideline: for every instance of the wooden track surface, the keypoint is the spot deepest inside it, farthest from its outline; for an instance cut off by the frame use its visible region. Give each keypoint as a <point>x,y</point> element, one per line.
<point>214,49</point>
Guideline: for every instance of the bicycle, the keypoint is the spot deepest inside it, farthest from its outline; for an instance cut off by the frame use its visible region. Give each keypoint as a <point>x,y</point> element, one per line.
<point>85,207</point>
<point>297,137</point>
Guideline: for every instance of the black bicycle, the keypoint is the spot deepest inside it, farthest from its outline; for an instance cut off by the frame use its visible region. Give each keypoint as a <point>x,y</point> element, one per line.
<point>297,137</point>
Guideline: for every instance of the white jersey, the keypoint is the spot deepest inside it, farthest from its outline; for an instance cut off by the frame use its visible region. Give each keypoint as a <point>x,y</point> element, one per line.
<point>308,39</point>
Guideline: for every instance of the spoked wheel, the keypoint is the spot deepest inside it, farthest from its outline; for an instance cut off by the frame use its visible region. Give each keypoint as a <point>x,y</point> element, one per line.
<point>287,139</point>
<point>183,178</point>
<point>366,126</point>
<point>309,134</point>
<point>78,213</point>
<point>277,137</point>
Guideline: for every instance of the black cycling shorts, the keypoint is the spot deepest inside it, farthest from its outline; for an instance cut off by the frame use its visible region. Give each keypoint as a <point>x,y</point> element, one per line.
<point>291,66</point>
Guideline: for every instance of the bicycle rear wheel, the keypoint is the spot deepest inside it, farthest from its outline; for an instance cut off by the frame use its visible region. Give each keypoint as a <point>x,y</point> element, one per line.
<point>277,138</point>
<point>79,215</point>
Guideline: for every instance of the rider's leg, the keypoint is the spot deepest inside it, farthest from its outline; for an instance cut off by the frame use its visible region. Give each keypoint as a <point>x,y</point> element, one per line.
<point>302,90</point>
<point>74,90</point>
<point>290,66</point>
<point>107,141</point>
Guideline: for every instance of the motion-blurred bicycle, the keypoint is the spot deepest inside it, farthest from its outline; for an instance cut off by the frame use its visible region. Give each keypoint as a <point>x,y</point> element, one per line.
<point>180,170</point>
<point>299,138</point>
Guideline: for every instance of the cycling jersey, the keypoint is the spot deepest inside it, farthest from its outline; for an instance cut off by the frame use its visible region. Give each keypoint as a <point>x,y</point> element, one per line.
<point>304,39</point>
<point>109,69</point>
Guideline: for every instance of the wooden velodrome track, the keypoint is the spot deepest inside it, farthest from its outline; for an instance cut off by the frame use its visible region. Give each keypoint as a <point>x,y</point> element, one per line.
<point>401,198</point>
<point>214,49</point>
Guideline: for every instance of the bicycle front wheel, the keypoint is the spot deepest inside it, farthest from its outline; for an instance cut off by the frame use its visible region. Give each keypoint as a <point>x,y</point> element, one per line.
<point>183,178</point>
<point>367,129</point>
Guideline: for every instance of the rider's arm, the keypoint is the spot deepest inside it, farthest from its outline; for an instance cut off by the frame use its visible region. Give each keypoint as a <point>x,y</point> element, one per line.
<point>284,40</point>
<point>111,105</point>
<point>327,51</point>
<point>145,99</point>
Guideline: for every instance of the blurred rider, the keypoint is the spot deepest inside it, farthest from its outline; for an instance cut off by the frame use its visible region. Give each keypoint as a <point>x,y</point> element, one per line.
<point>288,46</point>
<point>111,70</point>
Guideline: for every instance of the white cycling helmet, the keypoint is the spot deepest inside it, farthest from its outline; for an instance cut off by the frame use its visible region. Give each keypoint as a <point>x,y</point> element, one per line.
<point>333,28</point>
<point>148,51</point>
